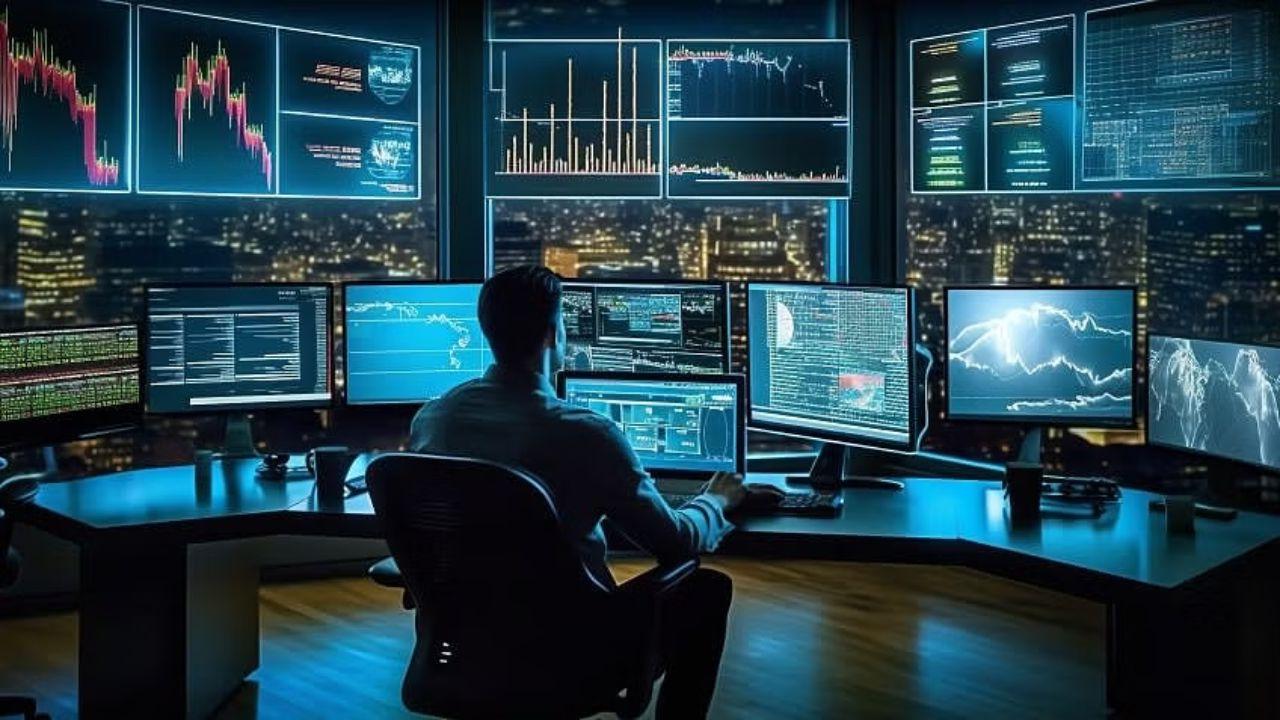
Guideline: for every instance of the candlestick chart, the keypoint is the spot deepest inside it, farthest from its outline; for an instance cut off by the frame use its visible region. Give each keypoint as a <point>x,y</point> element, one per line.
<point>64,97</point>
<point>206,105</point>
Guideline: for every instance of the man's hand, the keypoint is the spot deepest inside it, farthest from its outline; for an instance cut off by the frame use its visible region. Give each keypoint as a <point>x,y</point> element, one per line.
<point>728,486</point>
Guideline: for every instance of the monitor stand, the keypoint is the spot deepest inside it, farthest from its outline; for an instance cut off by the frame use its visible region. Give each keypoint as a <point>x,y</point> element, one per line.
<point>237,441</point>
<point>837,467</point>
<point>1030,449</point>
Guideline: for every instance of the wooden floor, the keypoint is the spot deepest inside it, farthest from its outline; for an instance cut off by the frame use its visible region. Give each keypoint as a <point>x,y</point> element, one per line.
<point>807,640</point>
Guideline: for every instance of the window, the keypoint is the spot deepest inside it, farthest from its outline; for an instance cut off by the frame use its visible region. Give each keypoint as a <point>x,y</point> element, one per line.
<point>78,257</point>
<point>1206,260</point>
<point>645,226</point>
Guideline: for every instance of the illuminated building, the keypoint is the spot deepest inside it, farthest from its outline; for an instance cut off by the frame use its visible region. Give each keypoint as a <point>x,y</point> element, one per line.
<point>53,263</point>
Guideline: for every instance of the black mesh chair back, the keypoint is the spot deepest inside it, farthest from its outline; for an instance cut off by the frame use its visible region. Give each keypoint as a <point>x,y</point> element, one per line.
<point>506,611</point>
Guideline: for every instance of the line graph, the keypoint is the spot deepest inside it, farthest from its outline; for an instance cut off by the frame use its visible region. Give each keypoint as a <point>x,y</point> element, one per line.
<point>1215,397</point>
<point>63,77</point>
<point>1040,353</point>
<point>757,79</point>
<point>212,80</point>
<point>575,117</point>
<point>758,158</point>
<point>410,343</point>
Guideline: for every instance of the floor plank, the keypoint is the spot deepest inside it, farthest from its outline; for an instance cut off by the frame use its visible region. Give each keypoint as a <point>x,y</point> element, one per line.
<point>808,639</point>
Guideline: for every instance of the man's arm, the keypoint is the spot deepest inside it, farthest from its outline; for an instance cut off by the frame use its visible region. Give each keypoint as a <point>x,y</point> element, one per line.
<point>632,501</point>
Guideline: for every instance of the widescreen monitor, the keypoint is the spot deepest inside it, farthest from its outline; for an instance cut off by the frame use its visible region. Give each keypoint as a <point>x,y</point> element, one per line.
<point>833,362</point>
<point>64,383</point>
<point>407,343</point>
<point>679,425</point>
<point>669,327</point>
<point>1220,399</point>
<point>237,347</point>
<point>1043,356</point>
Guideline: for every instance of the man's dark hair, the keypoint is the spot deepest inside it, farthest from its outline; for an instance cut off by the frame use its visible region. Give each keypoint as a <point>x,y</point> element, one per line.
<point>517,308</point>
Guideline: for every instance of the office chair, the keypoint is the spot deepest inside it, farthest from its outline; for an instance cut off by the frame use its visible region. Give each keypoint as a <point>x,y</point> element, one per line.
<point>14,492</point>
<point>505,609</point>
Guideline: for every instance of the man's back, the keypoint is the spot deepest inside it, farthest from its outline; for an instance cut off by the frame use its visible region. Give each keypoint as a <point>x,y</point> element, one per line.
<point>513,417</point>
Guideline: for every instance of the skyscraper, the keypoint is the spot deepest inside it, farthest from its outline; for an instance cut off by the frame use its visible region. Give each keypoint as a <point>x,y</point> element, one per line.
<point>52,263</point>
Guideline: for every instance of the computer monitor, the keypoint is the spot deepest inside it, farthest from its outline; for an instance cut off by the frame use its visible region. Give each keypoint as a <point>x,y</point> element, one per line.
<point>237,347</point>
<point>409,342</point>
<point>1058,356</point>
<point>1041,356</point>
<point>1218,399</point>
<point>833,362</point>
<point>679,425</point>
<point>668,327</point>
<point>62,384</point>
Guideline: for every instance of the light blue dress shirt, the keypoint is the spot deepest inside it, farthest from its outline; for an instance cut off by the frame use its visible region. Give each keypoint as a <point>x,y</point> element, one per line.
<point>513,417</point>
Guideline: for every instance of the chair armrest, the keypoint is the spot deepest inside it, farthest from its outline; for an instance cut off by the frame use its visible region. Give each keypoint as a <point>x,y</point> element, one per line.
<point>659,580</point>
<point>386,573</point>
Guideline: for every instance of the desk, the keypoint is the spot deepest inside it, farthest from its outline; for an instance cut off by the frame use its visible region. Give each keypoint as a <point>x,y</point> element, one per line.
<point>168,586</point>
<point>1184,613</point>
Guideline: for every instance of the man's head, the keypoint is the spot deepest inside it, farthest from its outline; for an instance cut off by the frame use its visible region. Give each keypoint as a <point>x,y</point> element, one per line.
<point>520,315</point>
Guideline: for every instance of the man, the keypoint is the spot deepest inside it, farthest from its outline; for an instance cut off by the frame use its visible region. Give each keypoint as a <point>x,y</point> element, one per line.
<point>512,416</point>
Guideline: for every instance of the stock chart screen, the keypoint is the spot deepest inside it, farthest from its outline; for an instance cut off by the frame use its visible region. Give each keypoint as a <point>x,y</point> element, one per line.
<point>668,117</point>
<point>1053,356</point>
<point>637,327</point>
<point>673,425</point>
<point>206,105</point>
<point>833,361</point>
<point>1217,398</point>
<point>237,347</point>
<point>1177,96</point>
<point>55,375</point>
<point>409,343</point>
<point>65,103</point>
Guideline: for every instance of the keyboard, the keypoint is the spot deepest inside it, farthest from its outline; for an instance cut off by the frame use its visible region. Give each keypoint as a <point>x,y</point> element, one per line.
<point>675,500</point>
<point>807,504</point>
<point>803,504</point>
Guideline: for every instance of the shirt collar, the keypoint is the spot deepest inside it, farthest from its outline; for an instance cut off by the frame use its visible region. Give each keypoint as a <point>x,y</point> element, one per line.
<point>519,378</point>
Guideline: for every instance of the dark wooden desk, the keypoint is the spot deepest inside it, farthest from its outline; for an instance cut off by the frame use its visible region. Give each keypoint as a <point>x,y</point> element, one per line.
<point>169,615</point>
<point>168,585</point>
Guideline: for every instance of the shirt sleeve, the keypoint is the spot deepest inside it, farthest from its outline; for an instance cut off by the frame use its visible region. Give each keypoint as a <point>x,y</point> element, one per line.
<point>633,503</point>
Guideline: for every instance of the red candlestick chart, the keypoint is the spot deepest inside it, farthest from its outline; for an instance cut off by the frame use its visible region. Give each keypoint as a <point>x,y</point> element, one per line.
<point>34,67</point>
<point>212,81</point>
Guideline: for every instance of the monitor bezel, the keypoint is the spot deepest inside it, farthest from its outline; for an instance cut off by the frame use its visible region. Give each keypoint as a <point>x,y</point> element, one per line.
<point>1196,452</point>
<point>1129,422</point>
<point>726,356</point>
<point>911,444</point>
<point>144,342</point>
<point>738,380</point>
<point>346,345</point>
<point>81,424</point>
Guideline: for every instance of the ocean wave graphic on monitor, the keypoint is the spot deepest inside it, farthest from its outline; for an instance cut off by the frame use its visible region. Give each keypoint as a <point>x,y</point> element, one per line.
<point>1047,359</point>
<point>1216,398</point>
